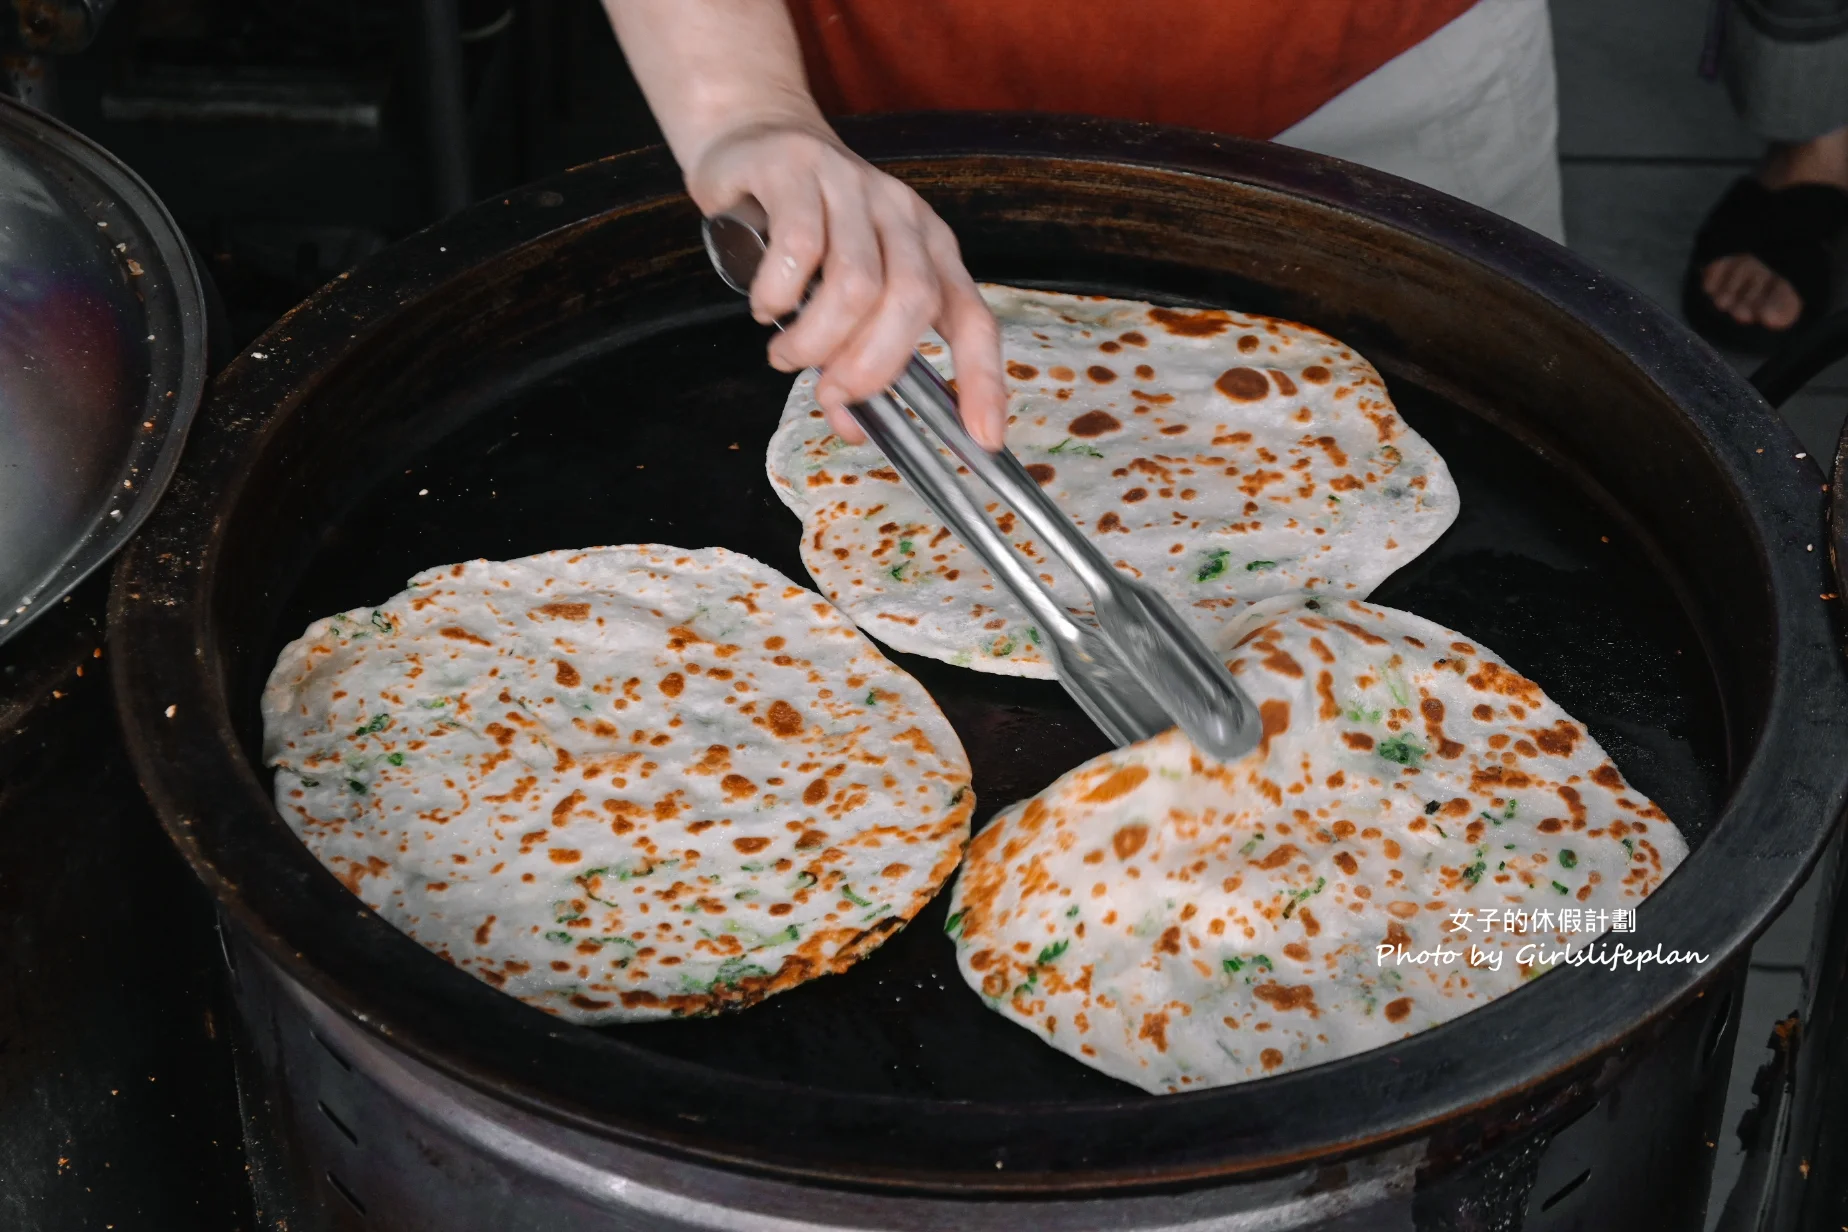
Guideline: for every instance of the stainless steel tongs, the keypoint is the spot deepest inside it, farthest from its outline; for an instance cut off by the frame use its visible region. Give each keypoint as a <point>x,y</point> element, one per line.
<point>1139,669</point>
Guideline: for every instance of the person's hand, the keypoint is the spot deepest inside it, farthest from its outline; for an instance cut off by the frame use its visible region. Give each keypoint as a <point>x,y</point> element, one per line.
<point>889,267</point>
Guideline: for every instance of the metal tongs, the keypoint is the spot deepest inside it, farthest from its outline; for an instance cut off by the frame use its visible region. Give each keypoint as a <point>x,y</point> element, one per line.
<point>1139,669</point>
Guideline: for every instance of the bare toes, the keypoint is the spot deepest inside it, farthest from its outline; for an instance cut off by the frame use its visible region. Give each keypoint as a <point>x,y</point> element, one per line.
<point>1751,292</point>
<point>1781,305</point>
<point>1717,279</point>
<point>1746,290</point>
<point>1734,283</point>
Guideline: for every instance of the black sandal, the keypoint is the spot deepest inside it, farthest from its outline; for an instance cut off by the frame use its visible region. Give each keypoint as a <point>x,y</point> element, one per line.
<point>1790,230</point>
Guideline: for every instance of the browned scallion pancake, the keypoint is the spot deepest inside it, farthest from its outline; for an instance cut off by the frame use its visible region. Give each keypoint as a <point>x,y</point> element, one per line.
<point>619,783</point>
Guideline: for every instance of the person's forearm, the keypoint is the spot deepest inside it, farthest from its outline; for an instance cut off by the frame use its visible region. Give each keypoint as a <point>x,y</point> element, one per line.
<point>709,67</point>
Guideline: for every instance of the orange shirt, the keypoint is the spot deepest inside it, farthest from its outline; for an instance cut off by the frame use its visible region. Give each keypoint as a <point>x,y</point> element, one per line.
<point>1247,68</point>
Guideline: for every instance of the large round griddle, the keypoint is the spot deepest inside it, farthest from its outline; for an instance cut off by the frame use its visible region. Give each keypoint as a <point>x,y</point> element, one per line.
<point>561,368</point>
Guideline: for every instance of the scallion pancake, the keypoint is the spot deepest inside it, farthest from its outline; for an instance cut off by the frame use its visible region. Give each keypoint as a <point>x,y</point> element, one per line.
<point>1221,457</point>
<point>619,783</point>
<point>1180,923</point>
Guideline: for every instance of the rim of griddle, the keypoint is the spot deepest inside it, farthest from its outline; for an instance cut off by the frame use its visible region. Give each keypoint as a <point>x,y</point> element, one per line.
<point>167,653</point>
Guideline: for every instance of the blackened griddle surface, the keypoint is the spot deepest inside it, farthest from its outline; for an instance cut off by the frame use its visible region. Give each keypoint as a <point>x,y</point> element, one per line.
<point>660,439</point>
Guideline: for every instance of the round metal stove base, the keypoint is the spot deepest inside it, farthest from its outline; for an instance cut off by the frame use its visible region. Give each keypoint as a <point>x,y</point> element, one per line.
<point>345,1132</point>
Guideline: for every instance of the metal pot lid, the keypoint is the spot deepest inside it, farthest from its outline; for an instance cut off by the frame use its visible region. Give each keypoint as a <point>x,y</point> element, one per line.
<point>102,357</point>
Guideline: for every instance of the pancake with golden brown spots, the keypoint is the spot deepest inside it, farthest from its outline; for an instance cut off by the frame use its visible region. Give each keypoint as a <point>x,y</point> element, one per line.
<point>1223,458</point>
<point>619,783</point>
<point>1182,924</point>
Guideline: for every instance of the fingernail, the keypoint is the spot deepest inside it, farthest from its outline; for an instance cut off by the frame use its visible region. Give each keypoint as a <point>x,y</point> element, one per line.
<point>994,435</point>
<point>843,425</point>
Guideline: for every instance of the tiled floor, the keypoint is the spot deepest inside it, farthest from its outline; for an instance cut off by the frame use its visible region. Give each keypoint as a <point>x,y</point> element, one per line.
<point>1647,146</point>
